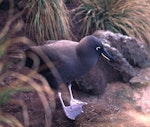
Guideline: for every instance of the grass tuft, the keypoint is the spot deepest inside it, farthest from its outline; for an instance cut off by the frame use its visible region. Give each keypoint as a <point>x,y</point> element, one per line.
<point>47,20</point>
<point>129,17</point>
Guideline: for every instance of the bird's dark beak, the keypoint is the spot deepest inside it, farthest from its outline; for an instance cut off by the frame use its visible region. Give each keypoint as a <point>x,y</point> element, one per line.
<point>107,56</point>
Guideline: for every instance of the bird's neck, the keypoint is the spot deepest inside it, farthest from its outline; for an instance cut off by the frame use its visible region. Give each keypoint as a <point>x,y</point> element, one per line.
<point>87,57</point>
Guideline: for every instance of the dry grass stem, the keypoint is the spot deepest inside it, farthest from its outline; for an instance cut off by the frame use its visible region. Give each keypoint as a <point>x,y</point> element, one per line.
<point>124,16</point>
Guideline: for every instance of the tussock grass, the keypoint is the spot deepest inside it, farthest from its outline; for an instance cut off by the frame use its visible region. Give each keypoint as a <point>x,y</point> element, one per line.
<point>8,91</point>
<point>129,17</point>
<point>20,85</point>
<point>47,20</point>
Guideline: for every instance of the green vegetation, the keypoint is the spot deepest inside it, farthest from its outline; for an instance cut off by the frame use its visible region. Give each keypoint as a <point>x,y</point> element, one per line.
<point>47,20</point>
<point>129,17</point>
<point>8,92</point>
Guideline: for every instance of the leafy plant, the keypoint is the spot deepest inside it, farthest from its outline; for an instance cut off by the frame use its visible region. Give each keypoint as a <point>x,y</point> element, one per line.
<point>6,93</point>
<point>21,83</point>
<point>129,17</point>
<point>48,19</point>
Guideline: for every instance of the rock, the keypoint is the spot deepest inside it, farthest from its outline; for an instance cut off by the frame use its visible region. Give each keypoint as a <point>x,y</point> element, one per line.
<point>142,79</point>
<point>105,72</point>
<point>131,49</point>
<point>121,64</point>
<point>95,81</point>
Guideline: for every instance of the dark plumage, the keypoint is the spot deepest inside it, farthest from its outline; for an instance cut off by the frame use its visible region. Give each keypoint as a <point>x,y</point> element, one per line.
<point>71,60</point>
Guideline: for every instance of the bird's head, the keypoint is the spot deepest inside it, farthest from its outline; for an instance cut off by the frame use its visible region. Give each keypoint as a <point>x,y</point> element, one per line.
<point>96,43</point>
<point>92,46</point>
<point>102,51</point>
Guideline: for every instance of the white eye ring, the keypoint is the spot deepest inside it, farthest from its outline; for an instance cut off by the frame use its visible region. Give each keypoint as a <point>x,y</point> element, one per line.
<point>98,48</point>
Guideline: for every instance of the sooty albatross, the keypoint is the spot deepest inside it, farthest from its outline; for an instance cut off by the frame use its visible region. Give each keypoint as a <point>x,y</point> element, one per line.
<point>67,60</point>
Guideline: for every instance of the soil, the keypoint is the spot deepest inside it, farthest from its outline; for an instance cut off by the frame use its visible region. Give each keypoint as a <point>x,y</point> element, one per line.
<point>30,102</point>
<point>115,108</point>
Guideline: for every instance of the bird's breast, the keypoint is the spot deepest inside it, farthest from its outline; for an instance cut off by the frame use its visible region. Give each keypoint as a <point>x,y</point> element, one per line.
<point>73,69</point>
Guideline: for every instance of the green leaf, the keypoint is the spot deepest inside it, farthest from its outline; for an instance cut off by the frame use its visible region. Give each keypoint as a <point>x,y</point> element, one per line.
<point>6,93</point>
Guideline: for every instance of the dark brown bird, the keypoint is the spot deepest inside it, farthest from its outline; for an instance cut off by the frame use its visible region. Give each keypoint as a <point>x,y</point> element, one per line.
<point>70,60</point>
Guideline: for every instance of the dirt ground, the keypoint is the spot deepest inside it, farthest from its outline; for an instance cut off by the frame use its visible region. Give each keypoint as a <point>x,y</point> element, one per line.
<point>117,107</point>
<point>35,109</point>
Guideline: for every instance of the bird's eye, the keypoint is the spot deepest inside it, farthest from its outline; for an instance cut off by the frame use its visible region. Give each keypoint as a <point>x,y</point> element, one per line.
<point>98,48</point>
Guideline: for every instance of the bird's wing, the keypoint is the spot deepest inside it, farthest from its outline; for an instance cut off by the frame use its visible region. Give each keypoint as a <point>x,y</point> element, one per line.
<point>60,50</point>
<point>56,52</point>
<point>46,55</point>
